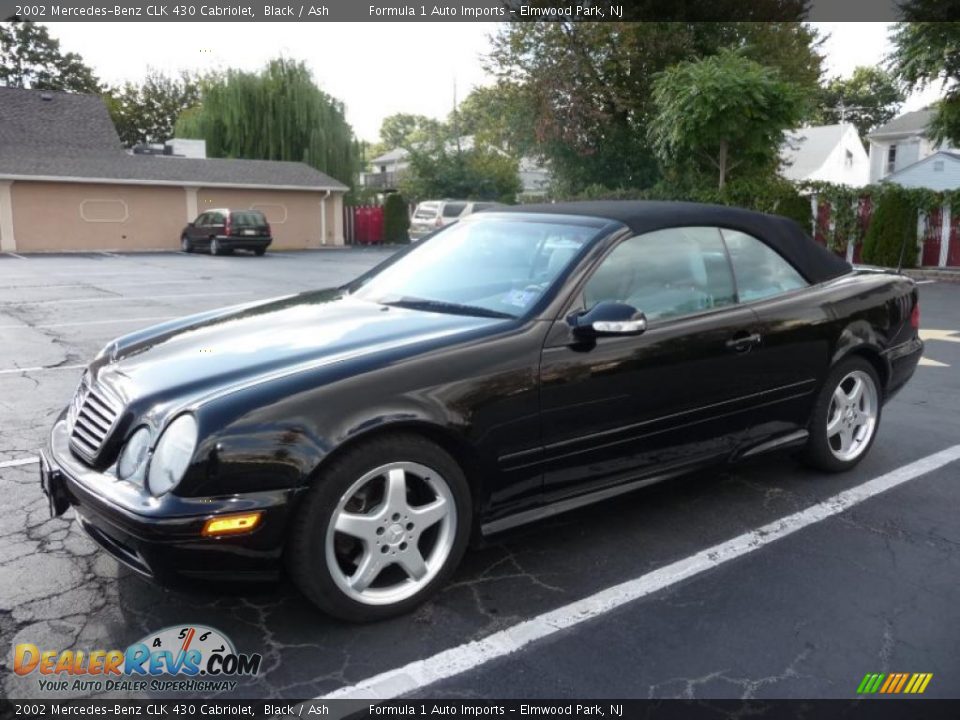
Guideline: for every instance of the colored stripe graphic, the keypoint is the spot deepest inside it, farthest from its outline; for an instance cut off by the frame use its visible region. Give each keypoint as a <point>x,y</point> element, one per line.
<point>894,683</point>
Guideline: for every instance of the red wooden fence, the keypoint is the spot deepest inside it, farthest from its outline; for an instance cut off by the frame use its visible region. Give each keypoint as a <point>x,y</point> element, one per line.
<point>363,225</point>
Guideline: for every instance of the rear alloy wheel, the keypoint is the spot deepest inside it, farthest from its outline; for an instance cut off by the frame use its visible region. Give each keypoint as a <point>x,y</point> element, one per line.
<point>381,530</point>
<point>846,417</point>
<point>215,248</point>
<point>185,245</point>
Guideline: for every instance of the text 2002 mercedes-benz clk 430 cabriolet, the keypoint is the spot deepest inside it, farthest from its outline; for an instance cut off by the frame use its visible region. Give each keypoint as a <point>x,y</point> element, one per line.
<point>515,365</point>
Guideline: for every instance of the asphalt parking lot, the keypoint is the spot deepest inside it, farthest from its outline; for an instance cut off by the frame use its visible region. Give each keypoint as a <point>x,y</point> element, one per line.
<point>871,586</point>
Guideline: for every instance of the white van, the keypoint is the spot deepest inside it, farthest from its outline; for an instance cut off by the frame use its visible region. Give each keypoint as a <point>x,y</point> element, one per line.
<point>433,214</point>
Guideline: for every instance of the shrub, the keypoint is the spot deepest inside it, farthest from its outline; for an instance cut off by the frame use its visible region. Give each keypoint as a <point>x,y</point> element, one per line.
<point>396,219</point>
<point>893,230</point>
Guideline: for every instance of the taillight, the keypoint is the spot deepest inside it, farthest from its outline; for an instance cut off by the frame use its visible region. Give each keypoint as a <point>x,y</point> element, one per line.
<point>915,316</point>
<point>226,226</point>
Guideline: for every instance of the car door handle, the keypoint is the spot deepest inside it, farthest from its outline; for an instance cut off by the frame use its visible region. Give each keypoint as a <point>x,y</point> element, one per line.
<point>742,343</point>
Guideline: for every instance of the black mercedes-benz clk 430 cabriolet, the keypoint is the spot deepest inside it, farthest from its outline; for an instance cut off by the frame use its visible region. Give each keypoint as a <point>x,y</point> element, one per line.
<point>517,364</point>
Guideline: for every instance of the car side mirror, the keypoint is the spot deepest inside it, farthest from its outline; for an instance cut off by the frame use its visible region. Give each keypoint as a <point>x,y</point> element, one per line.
<point>609,318</point>
<point>190,224</point>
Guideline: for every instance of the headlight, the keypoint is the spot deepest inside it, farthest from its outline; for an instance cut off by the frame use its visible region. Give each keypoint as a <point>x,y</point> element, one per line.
<point>133,457</point>
<point>172,455</point>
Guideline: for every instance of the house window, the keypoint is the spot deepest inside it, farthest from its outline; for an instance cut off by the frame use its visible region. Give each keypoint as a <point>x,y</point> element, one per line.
<point>938,165</point>
<point>848,159</point>
<point>891,158</point>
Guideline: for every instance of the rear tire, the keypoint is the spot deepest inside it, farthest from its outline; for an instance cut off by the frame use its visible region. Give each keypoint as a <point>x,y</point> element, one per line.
<point>381,530</point>
<point>215,248</point>
<point>260,252</point>
<point>846,417</point>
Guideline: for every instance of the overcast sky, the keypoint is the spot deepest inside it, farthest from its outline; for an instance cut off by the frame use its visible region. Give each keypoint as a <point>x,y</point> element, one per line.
<point>377,69</point>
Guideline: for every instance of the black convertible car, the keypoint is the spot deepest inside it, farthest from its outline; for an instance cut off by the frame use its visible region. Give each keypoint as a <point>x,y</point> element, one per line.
<point>515,365</point>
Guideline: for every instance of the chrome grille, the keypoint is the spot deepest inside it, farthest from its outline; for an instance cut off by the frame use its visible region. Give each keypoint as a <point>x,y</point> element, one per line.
<point>93,415</point>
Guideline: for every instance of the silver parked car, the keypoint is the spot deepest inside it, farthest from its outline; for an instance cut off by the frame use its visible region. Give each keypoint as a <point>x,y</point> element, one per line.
<point>433,214</point>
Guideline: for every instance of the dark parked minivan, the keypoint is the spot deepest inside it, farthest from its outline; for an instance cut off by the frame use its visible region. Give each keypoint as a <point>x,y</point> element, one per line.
<point>222,231</point>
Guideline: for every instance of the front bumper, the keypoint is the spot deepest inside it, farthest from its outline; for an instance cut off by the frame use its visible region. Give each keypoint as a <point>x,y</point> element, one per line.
<point>161,538</point>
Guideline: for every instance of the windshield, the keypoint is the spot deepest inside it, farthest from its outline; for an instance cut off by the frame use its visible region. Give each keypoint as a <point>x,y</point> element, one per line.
<point>495,267</point>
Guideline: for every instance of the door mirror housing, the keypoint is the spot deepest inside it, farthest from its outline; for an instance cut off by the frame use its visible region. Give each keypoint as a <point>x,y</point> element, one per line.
<point>609,318</point>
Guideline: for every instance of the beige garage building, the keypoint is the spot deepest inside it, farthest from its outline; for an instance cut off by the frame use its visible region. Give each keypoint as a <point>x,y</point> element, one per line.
<point>66,184</point>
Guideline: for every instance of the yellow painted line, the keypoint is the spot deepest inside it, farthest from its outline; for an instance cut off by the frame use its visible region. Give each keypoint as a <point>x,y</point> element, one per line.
<point>945,335</point>
<point>886,684</point>
<point>925,682</point>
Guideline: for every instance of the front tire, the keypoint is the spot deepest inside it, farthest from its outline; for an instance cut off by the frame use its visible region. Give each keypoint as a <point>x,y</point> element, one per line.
<point>846,417</point>
<point>381,530</point>
<point>185,245</point>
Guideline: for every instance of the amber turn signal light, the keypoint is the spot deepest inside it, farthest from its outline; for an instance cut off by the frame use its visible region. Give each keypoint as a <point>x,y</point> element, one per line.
<point>231,524</point>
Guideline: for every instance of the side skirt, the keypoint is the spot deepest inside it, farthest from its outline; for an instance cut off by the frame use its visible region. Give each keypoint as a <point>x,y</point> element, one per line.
<point>562,506</point>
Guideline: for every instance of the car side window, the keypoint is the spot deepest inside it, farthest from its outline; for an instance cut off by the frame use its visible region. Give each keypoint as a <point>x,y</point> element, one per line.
<point>201,220</point>
<point>760,270</point>
<point>666,274</point>
<point>452,210</point>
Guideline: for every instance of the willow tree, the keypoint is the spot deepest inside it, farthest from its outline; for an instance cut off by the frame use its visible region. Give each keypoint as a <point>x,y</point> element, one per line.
<point>278,113</point>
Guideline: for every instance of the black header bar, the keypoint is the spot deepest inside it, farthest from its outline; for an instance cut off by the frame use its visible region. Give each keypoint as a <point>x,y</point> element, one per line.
<point>46,11</point>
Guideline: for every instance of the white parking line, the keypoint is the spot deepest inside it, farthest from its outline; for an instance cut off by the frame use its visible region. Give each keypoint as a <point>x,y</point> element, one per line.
<point>445,664</point>
<point>122,298</point>
<point>113,321</point>
<point>18,257</point>
<point>925,282</point>
<point>21,461</point>
<point>17,371</point>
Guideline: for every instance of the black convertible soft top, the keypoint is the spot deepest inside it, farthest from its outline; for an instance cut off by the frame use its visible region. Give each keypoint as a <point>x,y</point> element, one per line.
<point>814,261</point>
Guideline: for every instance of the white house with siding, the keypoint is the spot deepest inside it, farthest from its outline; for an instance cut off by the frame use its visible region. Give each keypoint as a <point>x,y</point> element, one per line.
<point>940,171</point>
<point>900,143</point>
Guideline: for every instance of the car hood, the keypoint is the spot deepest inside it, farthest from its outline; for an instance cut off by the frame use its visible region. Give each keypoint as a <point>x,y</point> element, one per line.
<point>202,354</point>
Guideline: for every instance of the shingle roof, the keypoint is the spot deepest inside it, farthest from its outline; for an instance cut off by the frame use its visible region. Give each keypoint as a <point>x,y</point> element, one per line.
<point>144,169</point>
<point>911,122</point>
<point>71,137</point>
<point>806,149</point>
<point>55,121</point>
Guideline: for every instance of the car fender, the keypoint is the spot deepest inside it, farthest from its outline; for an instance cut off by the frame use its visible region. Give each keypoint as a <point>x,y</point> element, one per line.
<point>860,337</point>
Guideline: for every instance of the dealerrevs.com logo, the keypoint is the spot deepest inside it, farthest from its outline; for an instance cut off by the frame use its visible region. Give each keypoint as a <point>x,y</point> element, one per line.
<point>191,658</point>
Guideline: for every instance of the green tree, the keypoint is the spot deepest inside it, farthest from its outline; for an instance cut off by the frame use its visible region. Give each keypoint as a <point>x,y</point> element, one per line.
<point>476,174</point>
<point>148,111</point>
<point>30,58</point>
<point>396,219</point>
<point>589,85</point>
<point>893,230</point>
<point>502,115</point>
<point>401,130</point>
<point>926,53</point>
<point>721,114</point>
<point>868,98</point>
<point>276,114</point>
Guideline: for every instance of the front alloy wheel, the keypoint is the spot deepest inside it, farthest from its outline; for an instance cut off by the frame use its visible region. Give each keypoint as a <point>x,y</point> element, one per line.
<point>185,245</point>
<point>381,529</point>
<point>391,533</point>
